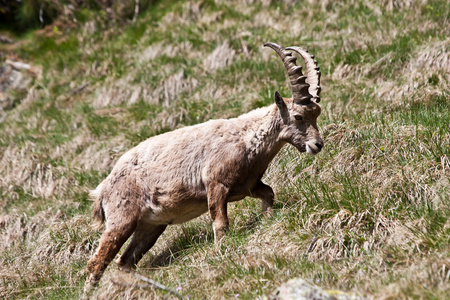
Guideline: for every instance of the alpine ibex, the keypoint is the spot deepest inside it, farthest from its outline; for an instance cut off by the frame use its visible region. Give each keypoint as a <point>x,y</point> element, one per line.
<point>177,176</point>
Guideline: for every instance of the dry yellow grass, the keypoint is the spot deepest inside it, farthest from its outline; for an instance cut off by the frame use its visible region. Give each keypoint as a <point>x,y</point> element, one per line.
<point>369,215</point>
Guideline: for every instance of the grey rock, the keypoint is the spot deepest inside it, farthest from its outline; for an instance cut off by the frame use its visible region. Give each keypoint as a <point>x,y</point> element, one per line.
<point>299,289</point>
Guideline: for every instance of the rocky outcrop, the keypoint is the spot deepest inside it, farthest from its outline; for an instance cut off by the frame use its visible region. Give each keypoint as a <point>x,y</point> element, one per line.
<point>15,78</point>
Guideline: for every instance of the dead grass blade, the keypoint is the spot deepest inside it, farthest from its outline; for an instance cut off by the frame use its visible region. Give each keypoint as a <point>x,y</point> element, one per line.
<point>152,284</point>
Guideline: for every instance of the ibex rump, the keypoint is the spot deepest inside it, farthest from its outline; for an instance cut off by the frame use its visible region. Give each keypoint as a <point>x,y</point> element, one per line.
<point>179,175</point>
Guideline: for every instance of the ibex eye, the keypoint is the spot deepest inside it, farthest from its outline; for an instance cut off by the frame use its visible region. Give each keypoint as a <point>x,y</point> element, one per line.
<point>298,117</point>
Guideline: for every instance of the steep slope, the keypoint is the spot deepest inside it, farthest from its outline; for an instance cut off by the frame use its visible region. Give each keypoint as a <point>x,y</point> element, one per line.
<point>368,215</point>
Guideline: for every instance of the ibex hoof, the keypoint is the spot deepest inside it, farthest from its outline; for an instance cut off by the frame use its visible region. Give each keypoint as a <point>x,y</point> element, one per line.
<point>124,268</point>
<point>267,211</point>
<point>91,283</point>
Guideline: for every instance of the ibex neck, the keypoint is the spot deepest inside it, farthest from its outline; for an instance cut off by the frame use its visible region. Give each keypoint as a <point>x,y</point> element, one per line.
<point>262,133</point>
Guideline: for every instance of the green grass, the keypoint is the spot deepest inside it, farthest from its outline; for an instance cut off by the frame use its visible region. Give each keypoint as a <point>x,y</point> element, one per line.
<point>375,201</point>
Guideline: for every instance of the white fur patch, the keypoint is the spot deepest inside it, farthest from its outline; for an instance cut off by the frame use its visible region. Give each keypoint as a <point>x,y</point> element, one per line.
<point>312,149</point>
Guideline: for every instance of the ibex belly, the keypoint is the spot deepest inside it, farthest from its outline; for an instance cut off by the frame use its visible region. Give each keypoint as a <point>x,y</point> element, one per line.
<point>174,207</point>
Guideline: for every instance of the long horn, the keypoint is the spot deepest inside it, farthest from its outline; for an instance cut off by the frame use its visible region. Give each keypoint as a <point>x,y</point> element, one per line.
<point>312,71</point>
<point>299,86</point>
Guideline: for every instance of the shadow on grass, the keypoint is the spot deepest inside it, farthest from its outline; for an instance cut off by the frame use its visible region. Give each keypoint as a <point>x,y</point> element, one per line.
<point>190,237</point>
<point>200,236</point>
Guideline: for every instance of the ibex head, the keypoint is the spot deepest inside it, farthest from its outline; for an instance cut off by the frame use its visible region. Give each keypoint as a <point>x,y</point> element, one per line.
<point>300,112</point>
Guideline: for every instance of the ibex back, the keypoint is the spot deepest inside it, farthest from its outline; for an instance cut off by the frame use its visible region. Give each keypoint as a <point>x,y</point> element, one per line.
<point>177,176</point>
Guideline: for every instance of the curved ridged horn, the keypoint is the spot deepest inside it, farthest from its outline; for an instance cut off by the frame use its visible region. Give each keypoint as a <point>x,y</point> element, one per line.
<point>299,86</point>
<point>312,71</point>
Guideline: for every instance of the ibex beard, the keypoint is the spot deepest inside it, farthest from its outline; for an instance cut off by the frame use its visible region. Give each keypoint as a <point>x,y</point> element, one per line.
<point>177,176</point>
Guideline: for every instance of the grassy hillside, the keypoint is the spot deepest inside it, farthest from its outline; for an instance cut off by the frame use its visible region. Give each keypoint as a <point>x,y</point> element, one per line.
<point>368,215</point>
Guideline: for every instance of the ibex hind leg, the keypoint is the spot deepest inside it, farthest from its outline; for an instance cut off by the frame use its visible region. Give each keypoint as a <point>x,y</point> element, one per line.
<point>144,238</point>
<point>217,205</point>
<point>266,194</point>
<point>115,235</point>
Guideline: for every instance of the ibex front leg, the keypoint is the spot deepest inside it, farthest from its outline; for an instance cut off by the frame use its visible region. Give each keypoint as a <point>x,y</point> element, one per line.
<point>217,204</point>
<point>265,193</point>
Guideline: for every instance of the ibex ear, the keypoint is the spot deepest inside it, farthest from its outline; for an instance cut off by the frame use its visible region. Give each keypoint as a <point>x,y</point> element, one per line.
<point>281,104</point>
